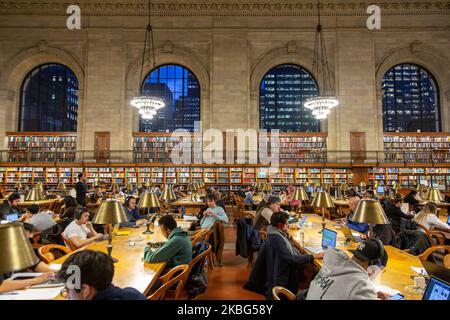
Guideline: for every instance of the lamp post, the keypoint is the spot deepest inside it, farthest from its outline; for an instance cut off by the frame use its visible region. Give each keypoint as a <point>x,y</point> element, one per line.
<point>17,252</point>
<point>148,201</point>
<point>110,212</point>
<point>322,200</point>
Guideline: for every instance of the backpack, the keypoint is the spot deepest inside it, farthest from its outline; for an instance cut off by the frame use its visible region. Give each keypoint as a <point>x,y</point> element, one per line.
<point>197,281</point>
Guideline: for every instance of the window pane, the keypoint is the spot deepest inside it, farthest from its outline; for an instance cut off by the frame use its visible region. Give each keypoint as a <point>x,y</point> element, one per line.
<point>48,99</point>
<point>410,100</point>
<point>181,92</point>
<point>282,93</point>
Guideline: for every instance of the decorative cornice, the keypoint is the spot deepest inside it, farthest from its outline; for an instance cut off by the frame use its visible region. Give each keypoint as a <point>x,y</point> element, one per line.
<point>245,8</point>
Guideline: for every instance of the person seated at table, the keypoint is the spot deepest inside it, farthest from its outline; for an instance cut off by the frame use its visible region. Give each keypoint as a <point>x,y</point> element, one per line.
<point>96,195</point>
<point>344,278</point>
<point>96,275</point>
<point>219,201</point>
<point>395,213</point>
<point>263,203</point>
<point>155,189</point>
<point>262,218</point>
<point>132,212</point>
<point>176,250</point>
<point>80,231</point>
<point>70,205</point>
<point>213,213</point>
<point>8,285</point>
<point>412,198</point>
<point>429,219</point>
<point>279,263</point>
<point>370,194</point>
<point>10,206</point>
<point>290,197</point>
<point>248,200</point>
<point>40,220</point>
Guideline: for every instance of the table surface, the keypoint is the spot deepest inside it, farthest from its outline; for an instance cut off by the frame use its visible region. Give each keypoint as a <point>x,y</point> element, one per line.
<point>130,270</point>
<point>397,273</point>
<point>188,202</point>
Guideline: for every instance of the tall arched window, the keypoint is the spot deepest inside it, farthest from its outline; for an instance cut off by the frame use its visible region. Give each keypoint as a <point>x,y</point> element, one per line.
<point>410,100</point>
<point>48,100</point>
<point>180,89</point>
<point>282,93</point>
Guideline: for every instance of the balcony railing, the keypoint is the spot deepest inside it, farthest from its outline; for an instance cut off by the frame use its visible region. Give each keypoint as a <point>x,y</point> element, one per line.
<point>434,157</point>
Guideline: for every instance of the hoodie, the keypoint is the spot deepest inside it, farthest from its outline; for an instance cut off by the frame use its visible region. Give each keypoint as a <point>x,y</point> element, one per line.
<point>176,250</point>
<point>341,279</point>
<point>115,293</point>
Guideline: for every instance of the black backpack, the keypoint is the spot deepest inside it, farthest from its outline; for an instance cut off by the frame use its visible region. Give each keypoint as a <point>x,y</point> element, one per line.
<point>53,234</point>
<point>197,281</point>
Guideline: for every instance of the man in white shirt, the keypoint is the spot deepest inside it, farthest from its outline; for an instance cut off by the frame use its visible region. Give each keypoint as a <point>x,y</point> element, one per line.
<point>80,231</point>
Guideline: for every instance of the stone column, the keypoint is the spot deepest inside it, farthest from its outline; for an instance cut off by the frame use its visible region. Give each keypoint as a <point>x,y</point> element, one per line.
<point>6,105</point>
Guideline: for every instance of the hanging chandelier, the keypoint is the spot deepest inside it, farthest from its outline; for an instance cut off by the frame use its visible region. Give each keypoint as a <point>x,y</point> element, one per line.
<point>321,104</point>
<point>147,104</point>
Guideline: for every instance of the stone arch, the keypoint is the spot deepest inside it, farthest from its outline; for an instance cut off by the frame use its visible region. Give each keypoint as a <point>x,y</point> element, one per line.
<point>18,67</point>
<point>169,54</point>
<point>424,56</point>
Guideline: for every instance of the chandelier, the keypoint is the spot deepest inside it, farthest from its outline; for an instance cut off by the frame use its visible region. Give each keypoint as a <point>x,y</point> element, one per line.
<point>321,104</point>
<point>147,104</point>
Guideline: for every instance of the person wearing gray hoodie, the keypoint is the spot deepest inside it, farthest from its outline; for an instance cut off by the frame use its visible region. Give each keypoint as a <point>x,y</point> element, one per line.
<point>344,278</point>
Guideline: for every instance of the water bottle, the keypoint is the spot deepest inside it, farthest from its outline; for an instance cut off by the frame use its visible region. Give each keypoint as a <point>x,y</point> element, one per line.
<point>302,237</point>
<point>182,212</point>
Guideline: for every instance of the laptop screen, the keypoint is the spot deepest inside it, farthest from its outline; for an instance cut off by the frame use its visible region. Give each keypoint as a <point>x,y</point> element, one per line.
<point>437,290</point>
<point>448,219</point>
<point>329,238</point>
<point>380,190</point>
<point>12,217</point>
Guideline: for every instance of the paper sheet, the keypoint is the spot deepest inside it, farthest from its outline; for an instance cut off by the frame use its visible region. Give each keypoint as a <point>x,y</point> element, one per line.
<point>190,218</point>
<point>32,294</point>
<point>55,266</point>
<point>420,271</point>
<point>386,290</point>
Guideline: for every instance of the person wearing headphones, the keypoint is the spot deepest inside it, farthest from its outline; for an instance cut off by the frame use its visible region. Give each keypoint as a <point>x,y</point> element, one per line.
<point>344,278</point>
<point>80,231</point>
<point>134,218</point>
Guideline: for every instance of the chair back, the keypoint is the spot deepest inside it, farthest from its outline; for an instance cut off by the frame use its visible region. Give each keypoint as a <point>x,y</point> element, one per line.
<point>442,251</point>
<point>281,293</point>
<point>196,262</point>
<point>201,235</point>
<point>68,242</point>
<point>46,252</point>
<point>175,276</point>
<point>435,239</point>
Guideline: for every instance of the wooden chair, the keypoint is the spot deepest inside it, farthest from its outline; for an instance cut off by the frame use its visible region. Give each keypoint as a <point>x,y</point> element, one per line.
<point>435,237</point>
<point>281,293</point>
<point>443,250</point>
<point>175,276</point>
<point>46,254</point>
<point>199,236</point>
<point>68,242</point>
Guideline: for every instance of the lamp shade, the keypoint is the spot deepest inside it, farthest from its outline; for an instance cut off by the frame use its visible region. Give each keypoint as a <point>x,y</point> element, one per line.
<point>115,187</point>
<point>18,185</point>
<point>17,252</point>
<point>61,186</point>
<point>343,187</point>
<point>327,187</point>
<point>421,188</point>
<point>148,184</point>
<point>300,194</point>
<point>192,187</point>
<point>322,200</point>
<point>129,186</point>
<point>433,195</point>
<point>148,200</point>
<point>40,186</point>
<point>362,184</point>
<point>395,185</point>
<point>34,195</point>
<point>201,184</point>
<point>139,186</point>
<point>306,184</point>
<point>110,212</point>
<point>369,211</point>
<point>168,194</point>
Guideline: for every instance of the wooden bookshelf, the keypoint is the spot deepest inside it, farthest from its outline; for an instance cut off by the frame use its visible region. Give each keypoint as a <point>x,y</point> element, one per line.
<point>41,146</point>
<point>417,147</point>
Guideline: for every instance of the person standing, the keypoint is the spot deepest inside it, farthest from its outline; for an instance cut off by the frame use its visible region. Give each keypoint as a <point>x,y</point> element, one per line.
<point>81,189</point>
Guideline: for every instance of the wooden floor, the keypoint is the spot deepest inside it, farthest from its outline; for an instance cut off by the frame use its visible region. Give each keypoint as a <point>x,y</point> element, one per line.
<point>226,282</point>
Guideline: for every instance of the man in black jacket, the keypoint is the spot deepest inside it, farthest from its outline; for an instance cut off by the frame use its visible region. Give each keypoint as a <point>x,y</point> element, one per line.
<point>10,206</point>
<point>395,214</point>
<point>81,189</point>
<point>278,262</point>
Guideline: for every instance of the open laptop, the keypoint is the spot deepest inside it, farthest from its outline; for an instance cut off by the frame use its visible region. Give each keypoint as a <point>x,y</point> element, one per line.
<point>30,275</point>
<point>433,269</point>
<point>437,290</point>
<point>448,219</point>
<point>12,217</point>
<point>349,236</point>
<point>380,190</point>
<point>329,238</point>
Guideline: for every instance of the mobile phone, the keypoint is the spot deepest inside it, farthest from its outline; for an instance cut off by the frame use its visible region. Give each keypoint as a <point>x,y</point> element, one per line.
<point>398,296</point>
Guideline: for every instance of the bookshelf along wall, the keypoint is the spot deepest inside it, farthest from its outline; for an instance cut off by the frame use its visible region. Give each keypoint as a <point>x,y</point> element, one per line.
<point>227,178</point>
<point>410,177</point>
<point>417,147</point>
<point>41,147</point>
<point>292,147</point>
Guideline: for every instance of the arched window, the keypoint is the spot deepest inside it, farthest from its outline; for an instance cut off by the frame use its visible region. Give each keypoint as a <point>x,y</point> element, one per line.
<point>180,89</point>
<point>410,100</point>
<point>282,93</point>
<point>48,100</point>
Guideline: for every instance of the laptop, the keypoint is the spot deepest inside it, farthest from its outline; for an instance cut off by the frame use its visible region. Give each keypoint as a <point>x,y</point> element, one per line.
<point>51,283</point>
<point>437,290</point>
<point>380,190</point>
<point>448,219</point>
<point>12,217</point>
<point>329,238</point>
<point>433,269</point>
<point>349,236</point>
